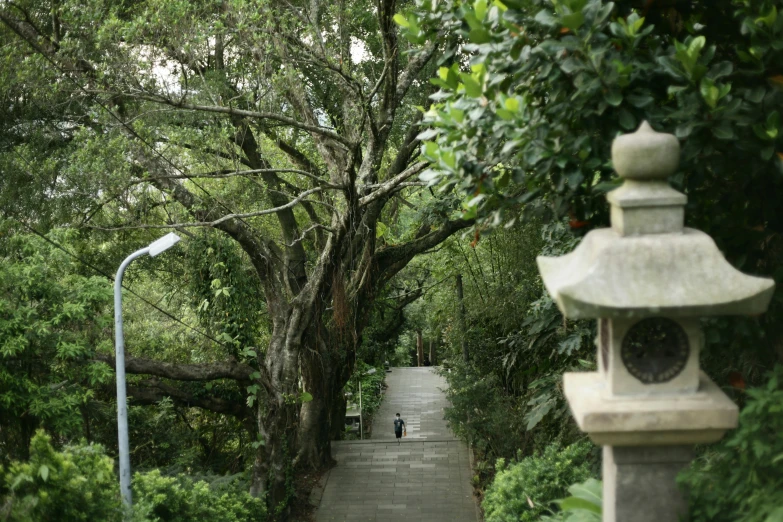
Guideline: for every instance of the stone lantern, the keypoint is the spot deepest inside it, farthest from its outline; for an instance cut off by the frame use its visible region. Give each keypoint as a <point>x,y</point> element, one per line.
<point>648,280</point>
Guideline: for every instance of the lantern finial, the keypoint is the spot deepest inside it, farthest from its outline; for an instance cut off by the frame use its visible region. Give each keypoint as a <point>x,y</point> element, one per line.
<point>646,154</point>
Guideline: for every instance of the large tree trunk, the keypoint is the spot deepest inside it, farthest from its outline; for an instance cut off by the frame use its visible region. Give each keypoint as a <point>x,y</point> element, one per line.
<point>320,371</point>
<point>277,408</point>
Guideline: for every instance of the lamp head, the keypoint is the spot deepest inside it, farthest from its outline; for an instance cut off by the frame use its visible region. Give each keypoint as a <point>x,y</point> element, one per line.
<point>161,245</point>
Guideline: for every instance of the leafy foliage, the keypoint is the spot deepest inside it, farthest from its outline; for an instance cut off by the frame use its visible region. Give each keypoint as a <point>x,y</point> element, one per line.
<point>371,389</point>
<point>508,396</point>
<point>79,484</point>
<point>180,499</point>
<point>523,491</point>
<point>224,292</point>
<point>52,319</point>
<point>740,480</point>
<point>551,83</point>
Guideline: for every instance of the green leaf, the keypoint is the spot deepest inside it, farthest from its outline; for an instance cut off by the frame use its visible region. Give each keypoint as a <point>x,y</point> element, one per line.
<point>472,87</point>
<point>755,95</point>
<point>544,17</point>
<point>512,104</point>
<point>723,132</point>
<point>674,89</point>
<point>573,21</point>
<point>627,120</point>
<point>613,98</point>
<point>709,92</point>
<point>576,503</point>
<point>570,65</point>
<point>773,120</point>
<point>604,13</point>
<point>307,397</point>
<point>770,19</point>
<point>429,176</point>
<point>590,490</point>
<point>640,100</point>
<point>761,132</point>
<point>720,70</point>
<point>694,49</point>
<point>400,20</point>
<point>43,471</point>
<point>479,36</point>
<point>480,7</point>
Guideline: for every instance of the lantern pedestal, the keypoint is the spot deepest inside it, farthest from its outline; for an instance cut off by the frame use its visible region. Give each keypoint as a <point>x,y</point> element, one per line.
<point>640,483</point>
<point>698,418</point>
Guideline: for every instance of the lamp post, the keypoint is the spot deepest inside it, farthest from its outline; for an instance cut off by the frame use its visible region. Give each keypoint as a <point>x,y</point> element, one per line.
<point>361,413</point>
<point>155,248</point>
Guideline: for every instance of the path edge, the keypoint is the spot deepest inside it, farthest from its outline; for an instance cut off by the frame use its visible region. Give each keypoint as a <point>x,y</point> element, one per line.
<point>477,504</point>
<point>317,493</point>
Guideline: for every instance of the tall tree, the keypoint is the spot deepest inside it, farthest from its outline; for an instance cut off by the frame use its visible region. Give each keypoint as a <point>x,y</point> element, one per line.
<point>286,126</point>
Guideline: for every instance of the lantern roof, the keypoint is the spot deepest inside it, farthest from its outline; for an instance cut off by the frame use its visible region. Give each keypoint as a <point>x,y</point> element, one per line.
<point>648,263</point>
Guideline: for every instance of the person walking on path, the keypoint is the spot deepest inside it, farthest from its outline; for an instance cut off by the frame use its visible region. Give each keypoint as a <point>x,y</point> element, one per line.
<point>399,428</point>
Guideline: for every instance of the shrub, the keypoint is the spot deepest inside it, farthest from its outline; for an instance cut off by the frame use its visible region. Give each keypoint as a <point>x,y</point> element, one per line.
<point>524,491</point>
<point>76,484</point>
<point>79,484</point>
<point>180,499</point>
<point>741,480</point>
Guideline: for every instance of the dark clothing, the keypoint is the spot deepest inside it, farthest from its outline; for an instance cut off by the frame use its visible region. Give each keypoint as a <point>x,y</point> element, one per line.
<point>399,424</point>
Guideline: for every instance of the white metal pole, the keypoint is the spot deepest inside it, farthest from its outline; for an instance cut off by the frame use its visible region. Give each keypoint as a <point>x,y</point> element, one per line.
<point>361,412</point>
<point>122,400</point>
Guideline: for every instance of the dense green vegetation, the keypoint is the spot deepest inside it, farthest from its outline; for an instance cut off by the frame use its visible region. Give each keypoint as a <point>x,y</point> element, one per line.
<point>740,479</point>
<point>523,491</point>
<point>79,484</point>
<point>338,209</point>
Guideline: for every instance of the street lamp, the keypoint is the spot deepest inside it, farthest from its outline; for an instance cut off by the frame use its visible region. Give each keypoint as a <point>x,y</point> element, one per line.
<point>361,413</point>
<point>155,248</point>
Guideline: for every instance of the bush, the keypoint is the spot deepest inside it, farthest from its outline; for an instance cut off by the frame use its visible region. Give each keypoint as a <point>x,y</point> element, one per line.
<point>180,499</point>
<point>79,484</point>
<point>73,485</point>
<point>584,505</point>
<point>524,491</point>
<point>741,480</point>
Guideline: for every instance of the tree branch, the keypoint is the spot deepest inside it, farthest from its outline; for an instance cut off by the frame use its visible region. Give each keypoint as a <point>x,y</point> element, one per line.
<point>392,259</point>
<point>323,131</point>
<point>152,391</point>
<point>413,69</point>
<point>183,372</point>
<point>387,187</point>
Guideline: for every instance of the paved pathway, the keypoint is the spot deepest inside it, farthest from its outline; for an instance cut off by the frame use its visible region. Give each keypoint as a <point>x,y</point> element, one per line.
<point>426,478</point>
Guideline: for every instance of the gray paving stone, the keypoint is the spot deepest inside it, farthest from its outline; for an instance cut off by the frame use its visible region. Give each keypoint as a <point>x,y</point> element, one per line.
<point>426,477</point>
